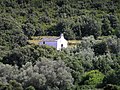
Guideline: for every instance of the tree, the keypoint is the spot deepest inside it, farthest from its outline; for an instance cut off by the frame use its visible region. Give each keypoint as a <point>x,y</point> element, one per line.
<point>117,33</point>
<point>90,27</point>
<point>46,73</point>
<point>28,29</point>
<point>100,48</point>
<point>30,88</point>
<point>93,77</point>
<point>106,27</point>
<point>113,21</point>
<point>10,33</point>
<point>103,63</point>
<point>15,85</point>
<point>112,77</point>
<point>43,74</point>
<point>77,31</point>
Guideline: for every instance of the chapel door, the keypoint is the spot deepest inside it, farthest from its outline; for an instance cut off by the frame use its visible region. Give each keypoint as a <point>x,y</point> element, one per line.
<point>61,45</point>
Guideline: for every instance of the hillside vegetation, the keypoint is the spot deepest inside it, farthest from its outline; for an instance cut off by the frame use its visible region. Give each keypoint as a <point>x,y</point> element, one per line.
<point>93,64</point>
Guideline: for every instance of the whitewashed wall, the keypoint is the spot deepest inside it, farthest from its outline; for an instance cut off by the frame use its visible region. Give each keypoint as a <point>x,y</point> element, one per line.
<point>61,41</point>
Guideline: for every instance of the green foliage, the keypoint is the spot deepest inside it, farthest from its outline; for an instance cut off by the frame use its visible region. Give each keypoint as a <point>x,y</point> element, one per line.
<point>100,48</point>
<point>15,85</point>
<point>90,27</point>
<point>106,28</point>
<point>103,63</point>
<point>79,18</point>
<point>10,33</point>
<point>30,88</point>
<point>111,87</point>
<point>22,55</point>
<point>93,77</point>
<point>79,59</point>
<point>28,29</point>
<point>86,87</point>
<point>43,67</point>
<point>45,73</point>
<point>112,78</point>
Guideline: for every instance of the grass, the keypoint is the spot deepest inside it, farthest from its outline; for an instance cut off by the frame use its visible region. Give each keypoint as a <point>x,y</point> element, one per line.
<point>36,42</point>
<point>41,37</point>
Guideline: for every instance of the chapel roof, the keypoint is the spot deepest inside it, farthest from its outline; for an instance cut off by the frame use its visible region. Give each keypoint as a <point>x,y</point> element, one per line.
<point>50,39</point>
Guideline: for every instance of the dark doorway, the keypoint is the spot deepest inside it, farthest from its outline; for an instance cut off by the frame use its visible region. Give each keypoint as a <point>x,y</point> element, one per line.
<point>61,45</point>
<point>43,42</point>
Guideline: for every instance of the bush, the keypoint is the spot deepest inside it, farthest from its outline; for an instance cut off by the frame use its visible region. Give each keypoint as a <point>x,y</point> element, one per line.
<point>93,77</point>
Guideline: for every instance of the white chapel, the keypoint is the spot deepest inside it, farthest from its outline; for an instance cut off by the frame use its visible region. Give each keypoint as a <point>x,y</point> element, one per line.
<point>57,42</point>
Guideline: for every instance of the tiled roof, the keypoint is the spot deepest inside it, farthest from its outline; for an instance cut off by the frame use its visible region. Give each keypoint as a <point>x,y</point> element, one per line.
<point>50,39</point>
